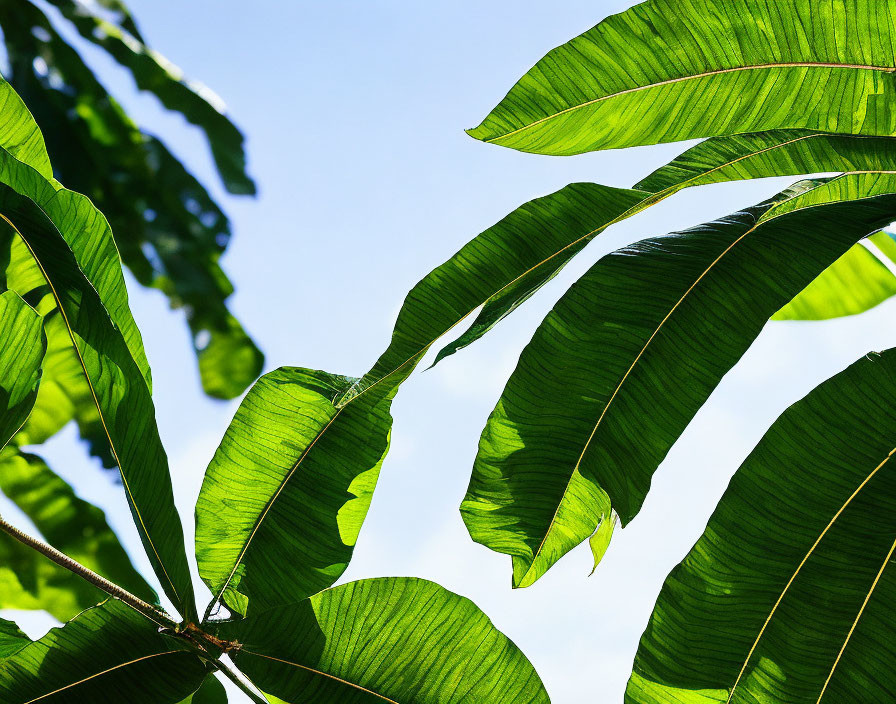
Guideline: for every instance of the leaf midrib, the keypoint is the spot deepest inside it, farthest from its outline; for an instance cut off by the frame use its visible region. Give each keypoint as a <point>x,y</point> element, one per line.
<point>695,76</point>
<point>96,402</point>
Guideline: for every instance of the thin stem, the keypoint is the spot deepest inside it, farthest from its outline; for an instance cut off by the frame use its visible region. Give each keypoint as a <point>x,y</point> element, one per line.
<point>233,677</point>
<point>151,612</point>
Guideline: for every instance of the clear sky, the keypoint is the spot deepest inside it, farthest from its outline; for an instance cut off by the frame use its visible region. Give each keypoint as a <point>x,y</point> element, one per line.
<point>354,113</point>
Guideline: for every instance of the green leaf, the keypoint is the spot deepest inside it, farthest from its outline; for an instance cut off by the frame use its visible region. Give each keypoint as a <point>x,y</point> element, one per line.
<point>22,347</point>
<point>284,496</point>
<point>11,638</point>
<point>211,692</point>
<point>786,596</point>
<point>665,70</point>
<point>107,649</point>
<point>860,279</point>
<point>154,73</point>
<point>510,261</point>
<point>119,389</point>
<point>68,523</point>
<point>169,230</point>
<point>19,134</point>
<point>739,157</point>
<point>617,370</point>
<point>393,639</point>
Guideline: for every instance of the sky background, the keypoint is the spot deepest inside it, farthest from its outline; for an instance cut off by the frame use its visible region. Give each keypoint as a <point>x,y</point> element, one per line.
<point>354,114</point>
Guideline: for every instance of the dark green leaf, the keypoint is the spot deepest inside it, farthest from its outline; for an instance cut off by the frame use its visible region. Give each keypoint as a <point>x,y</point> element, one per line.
<point>169,230</point>
<point>285,494</point>
<point>156,74</point>
<point>786,595</point>
<point>22,347</point>
<point>118,387</point>
<point>667,70</point>
<point>211,692</point>
<point>617,370</point>
<point>107,653</point>
<point>11,638</point>
<point>394,639</point>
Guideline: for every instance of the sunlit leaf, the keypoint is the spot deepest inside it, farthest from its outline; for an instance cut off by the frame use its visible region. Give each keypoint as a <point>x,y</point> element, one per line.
<point>667,70</point>
<point>392,639</point>
<point>786,596</point>
<point>618,369</point>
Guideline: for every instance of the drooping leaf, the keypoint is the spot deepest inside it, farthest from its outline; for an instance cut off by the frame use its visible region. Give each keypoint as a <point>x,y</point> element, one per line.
<point>154,73</point>
<point>786,596</point>
<point>211,692</point>
<point>22,347</point>
<point>120,391</point>
<point>106,651</point>
<point>861,279</point>
<point>11,638</point>
<point>68,523</point>
<point>617,370</point>
<point>511,260</point>
<point>665,70</point>
<point>375,640</point>
<point>169,230</point>
<point>284,496</point>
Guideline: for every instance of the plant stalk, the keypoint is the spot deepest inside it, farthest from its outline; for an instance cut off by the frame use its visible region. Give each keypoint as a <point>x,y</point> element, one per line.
<point>151,612</point>
<point>232,676</point>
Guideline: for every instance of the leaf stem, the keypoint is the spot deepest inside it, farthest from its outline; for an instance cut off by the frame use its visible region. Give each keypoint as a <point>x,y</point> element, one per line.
<point>151,612</point>
<point>233,677</point>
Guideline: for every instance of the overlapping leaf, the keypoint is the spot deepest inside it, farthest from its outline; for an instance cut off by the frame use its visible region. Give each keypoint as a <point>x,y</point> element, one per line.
<point>106,649</point>
<point>861,279</point>
<point>211,692</point>
<point>393,640</point>
<point>786,597</point>
<point>666,70</point>
<point>11,638</point>
<point>504,265</point>
<point>68,523</point>
<point>22,347</point>
<point>117,385</point>
<point>169,230</point>
<point>617,370</point>
<point>287,490</point>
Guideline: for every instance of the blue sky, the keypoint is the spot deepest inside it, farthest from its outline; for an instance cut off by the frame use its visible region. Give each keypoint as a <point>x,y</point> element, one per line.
<point>354,113</point>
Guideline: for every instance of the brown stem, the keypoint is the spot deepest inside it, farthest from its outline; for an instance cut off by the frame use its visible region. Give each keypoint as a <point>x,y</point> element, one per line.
<point>151,612</point>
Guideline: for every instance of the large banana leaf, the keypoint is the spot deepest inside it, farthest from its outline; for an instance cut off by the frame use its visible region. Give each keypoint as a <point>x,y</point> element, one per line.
<point>861,279</point>
<point>617,370</point>
<point>68,523</point>
<point>383,640</point>
<point>106,649</point>
<point>504,265</point>
<point>169,230</point>
<point>22,347</point>
<point>118,387</point>
<point>786,597</point>
<point>669,70</point>
<point>292,477</point>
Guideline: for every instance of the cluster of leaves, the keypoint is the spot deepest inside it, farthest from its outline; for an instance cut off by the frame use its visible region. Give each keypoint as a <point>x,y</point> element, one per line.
<point>277,517</point>
<point>784,597</point>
